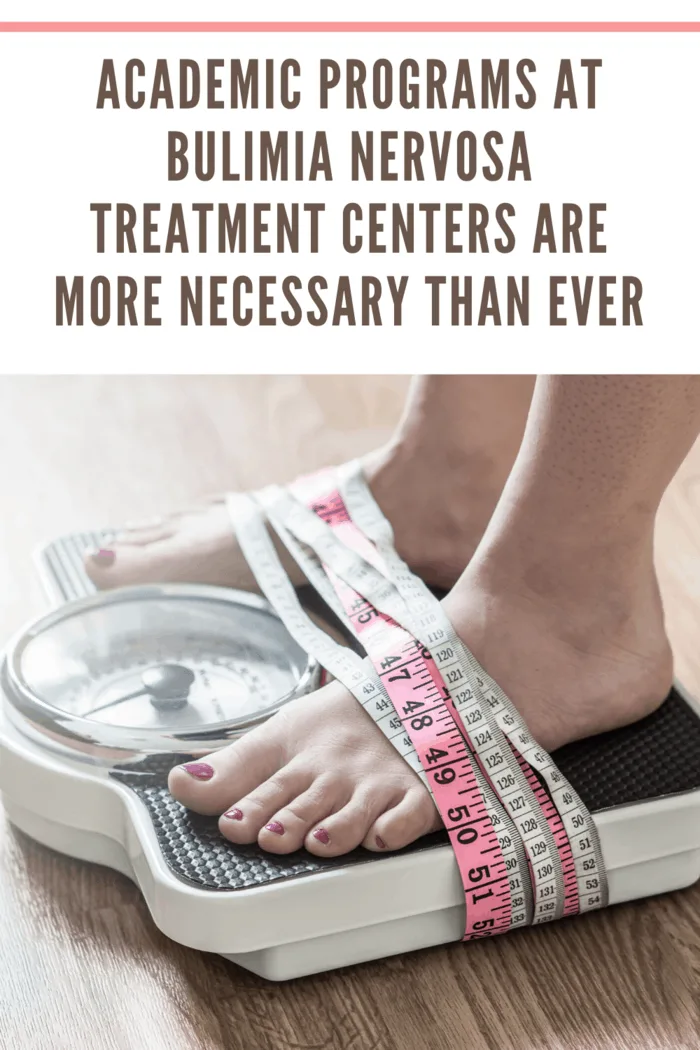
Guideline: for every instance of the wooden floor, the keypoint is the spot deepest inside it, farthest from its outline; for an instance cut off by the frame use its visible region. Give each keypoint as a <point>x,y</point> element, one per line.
<point>81,963</point>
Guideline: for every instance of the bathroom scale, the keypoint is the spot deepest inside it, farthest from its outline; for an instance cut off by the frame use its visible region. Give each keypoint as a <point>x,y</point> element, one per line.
<point>105,692</point>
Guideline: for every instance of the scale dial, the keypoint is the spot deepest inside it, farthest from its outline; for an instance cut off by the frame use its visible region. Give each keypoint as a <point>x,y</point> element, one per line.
<point>169,667</point>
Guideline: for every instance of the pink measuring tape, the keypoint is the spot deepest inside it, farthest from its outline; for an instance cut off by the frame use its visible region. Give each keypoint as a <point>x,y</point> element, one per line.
<point>515,855</point>
<point>422,702</point>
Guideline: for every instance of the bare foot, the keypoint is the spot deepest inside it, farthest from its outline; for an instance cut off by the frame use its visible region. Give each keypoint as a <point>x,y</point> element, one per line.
<point>570,625</point>
<point>437,525</point>
<point>575,662</point>
<point>320,774</point>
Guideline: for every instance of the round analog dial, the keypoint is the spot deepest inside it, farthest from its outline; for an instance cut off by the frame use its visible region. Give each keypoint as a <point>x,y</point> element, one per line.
<point>166,660</point>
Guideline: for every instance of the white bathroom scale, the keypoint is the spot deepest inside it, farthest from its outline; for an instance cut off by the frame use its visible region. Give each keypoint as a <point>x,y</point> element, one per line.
<point>148,667</point>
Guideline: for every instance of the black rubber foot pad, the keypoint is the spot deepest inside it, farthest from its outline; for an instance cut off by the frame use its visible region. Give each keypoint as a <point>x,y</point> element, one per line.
<point>655,757</point>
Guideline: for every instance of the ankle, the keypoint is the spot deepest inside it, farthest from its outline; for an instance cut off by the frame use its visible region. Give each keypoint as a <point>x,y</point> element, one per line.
<point>438,500</point>
<point>574,664</point>
<point>560,561</point>
<point>594,600</point>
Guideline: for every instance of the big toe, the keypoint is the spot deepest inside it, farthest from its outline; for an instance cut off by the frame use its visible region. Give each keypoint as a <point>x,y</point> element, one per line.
<point>213,784</point>
<point>156,560</point>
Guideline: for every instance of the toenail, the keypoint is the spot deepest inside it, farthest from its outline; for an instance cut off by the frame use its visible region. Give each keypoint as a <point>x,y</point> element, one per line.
<point>275,827</point>
<point>322,835</point>
<point>103,557</point>
<point>380,841</point>
<point>199,770</point>
<point>234,814</point>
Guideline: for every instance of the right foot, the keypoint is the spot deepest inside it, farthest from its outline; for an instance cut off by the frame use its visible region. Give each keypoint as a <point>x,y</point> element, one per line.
<point>320,774</point>
<point>576,662</point>
<point>438,521</point>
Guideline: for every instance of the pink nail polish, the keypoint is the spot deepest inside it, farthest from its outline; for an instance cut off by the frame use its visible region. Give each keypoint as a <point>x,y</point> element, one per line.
<point>198,770</point>
<point>103,557</point>
<point>234,814</point>
<point>322,836</point>
<point>380,841</point>
<point>275,827</point>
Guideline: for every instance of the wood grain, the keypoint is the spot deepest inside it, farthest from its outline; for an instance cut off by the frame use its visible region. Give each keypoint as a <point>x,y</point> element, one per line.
<point>82,964</point>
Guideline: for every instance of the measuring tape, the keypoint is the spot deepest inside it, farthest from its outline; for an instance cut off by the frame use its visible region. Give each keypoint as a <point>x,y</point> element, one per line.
<point>568,809</point>
<point>525,854</point>
<point>474,831</point>
<point>429,625</point>
<point>342,663</point>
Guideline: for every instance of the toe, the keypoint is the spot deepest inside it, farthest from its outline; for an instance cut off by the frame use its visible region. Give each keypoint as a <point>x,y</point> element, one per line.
<point>261,811</point>
<point>216,782</point>
<point>413,816</point>
<point>345,829</point>
<point>157,560</point>
<point>288,827</point>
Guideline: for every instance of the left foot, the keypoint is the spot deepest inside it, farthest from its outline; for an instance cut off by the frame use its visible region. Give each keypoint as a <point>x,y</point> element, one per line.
<point>437,522</point>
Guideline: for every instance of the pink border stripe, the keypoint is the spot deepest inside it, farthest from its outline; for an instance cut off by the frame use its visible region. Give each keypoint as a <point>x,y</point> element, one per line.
<point>349,27</point>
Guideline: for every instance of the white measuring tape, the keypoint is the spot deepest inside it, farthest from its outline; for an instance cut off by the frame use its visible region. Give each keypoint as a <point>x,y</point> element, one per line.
<point>276,504</point>
<point>341,662</point>
<point>580,828</point>
<point>350,670</point>
<point>426,621</point>
<point>421,677</point>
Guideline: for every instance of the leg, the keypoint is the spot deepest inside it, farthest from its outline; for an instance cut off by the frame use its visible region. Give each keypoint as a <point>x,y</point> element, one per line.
<point>560,604</point>
<point>438,481</point>
<point>562,594</point>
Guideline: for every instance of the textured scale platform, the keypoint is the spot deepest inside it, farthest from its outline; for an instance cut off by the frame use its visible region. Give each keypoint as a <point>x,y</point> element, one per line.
<point>651,759</point>
<point>614,769</point>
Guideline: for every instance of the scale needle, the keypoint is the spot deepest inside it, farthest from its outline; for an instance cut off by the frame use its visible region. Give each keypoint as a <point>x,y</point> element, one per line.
<point>166,684</point>
<point>112,703</point>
